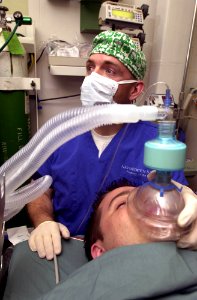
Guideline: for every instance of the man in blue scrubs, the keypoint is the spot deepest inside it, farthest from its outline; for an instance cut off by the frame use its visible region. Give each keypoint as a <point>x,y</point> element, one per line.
<point>88,163</point>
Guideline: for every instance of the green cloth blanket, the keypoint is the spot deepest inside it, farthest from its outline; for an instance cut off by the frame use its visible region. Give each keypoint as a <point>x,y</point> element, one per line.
<point>149,271</point>
<point>30,276</point>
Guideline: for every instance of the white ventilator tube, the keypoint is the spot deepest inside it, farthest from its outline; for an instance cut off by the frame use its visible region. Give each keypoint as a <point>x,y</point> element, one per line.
<point>58,130</point>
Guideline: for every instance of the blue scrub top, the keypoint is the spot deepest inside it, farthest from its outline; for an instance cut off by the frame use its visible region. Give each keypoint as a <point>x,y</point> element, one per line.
<point>78,172</point>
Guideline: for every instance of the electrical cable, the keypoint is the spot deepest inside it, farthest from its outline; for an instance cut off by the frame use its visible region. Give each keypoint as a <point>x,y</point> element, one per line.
<point>106,173</point>
<point>31,61</point>
<point>61,41</point>
<point>40,55</point>
<point>190,117</point>
<point>56,98</point>
<point>145,93</point>
<point>10,37</point>
<point>20,35</point>
<point>113,157</point>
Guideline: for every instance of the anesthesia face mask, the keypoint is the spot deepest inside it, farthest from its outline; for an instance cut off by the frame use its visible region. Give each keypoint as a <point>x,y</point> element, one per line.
<point>97,89</point>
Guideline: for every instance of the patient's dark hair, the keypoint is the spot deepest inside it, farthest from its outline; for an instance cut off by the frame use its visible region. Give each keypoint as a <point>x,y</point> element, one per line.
<point>93,230</point>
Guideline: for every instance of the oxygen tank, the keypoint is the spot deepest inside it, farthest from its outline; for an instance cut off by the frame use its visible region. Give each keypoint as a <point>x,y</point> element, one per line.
<point>14,123</point>
<point>14,108</point>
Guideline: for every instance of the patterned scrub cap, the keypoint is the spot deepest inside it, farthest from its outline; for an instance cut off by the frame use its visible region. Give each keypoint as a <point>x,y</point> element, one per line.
<point>121,46</point>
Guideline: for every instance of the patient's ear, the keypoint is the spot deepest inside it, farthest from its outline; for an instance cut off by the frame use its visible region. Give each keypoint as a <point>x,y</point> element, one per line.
<point>97,249</point>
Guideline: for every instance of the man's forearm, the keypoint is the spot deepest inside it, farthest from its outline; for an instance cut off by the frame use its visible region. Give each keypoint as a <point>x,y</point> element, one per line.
<point>41,209</point>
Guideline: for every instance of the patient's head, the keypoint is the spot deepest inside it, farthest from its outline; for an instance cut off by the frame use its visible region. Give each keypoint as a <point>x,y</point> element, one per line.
<point>111,225</point>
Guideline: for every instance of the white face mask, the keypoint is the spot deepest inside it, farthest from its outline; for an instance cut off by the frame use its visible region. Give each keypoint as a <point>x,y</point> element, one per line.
<point>97,89</point>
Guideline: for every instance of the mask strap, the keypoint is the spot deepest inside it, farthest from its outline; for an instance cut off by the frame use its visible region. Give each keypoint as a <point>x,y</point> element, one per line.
<point>127,81</point>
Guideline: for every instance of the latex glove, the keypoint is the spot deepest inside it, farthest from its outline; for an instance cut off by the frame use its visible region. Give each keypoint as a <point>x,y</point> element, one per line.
<point>46,238</point>
<point>187,217</point>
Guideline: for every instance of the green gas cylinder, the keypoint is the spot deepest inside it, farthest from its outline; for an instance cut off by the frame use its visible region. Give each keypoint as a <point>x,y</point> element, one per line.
<point>14,123</point>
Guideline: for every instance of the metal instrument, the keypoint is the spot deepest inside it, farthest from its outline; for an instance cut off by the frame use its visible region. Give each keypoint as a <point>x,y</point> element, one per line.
<point>2,222</point>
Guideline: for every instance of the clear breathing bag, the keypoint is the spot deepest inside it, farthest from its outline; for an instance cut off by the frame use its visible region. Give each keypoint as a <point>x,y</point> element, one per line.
<point>157,209</point>
<point>158,203</point>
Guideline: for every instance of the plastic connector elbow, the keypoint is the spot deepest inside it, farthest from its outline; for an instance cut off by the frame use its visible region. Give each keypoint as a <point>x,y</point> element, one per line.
<point>167,101</point>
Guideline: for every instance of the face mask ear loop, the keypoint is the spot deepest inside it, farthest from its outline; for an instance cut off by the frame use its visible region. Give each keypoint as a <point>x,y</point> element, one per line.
<point>127,81</point>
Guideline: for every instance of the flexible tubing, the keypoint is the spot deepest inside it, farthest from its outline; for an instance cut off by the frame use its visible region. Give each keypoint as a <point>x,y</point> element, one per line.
<point>106,114</point>
<point>10,37</point>
<point>9,167</point>
<point>22,196</point>
<point>18,158</point>
<point>36,186</point>
<point>78,122</point>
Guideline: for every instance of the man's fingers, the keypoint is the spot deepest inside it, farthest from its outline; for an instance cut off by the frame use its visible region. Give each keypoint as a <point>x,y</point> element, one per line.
<point>64,231</point>
<point>40,247</point>
<point>189,213</point>
<point>187,217</point>
<point>56,241</point>
<point>176,183</point>
<point>31,243</point>
<point>46,239</point>
<point>151,175</point>
<point>189,240</point>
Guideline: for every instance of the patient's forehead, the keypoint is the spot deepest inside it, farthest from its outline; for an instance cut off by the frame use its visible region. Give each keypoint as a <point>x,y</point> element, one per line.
<point>115,193</point>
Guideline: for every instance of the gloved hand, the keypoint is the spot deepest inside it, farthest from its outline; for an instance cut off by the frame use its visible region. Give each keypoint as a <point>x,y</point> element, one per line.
<point>46,238</point>
<point>187,217</point>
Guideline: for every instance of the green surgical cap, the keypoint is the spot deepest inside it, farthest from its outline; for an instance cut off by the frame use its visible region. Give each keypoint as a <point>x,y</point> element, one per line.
<point>121,46</point>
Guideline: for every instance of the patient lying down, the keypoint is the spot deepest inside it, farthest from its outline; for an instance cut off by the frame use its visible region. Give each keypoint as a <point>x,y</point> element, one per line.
<point>112,225</point>
<point>125,264</point>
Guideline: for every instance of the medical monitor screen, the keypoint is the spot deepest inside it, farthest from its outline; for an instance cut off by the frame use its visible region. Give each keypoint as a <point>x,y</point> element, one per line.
<point>122,14</point>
